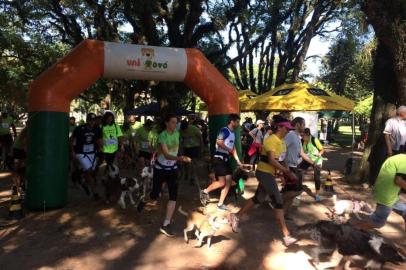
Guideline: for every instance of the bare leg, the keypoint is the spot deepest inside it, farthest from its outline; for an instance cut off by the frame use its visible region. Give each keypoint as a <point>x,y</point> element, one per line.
<point>225,190</point>
<point>248,206</point>
<point>170,209</point>
<point>281,221</point>
<point>288,199</point>
<point>216,184</point>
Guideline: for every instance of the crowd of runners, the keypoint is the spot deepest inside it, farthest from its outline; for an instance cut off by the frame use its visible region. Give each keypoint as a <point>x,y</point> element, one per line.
<point>281,150</point>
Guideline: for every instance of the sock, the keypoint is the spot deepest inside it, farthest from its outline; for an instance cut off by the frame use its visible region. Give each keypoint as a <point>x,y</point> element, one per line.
<point>167,222</point>
<point>205,191</point>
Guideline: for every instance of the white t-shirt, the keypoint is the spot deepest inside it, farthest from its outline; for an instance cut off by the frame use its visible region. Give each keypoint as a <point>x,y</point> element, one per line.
<point>293,147</point>
<point>259,136</point>
<point>397,130</point>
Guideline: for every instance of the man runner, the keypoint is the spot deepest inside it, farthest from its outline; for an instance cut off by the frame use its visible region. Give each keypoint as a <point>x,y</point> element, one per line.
<point>85,142</point>
<point>222,162</point>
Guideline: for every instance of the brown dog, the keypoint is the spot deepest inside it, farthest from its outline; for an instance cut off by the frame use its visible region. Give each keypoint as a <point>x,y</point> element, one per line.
<point>204,226</point>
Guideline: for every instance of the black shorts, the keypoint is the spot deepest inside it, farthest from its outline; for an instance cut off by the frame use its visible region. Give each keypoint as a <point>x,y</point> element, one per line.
<point>221,167</point>
<point>19,154</point>
<point>145,155</point>
<point>304,165</point>
<point>109,158</point>
<point>192,152</point>
<point>297,185</point>
<point>168,176</point>
<point>6,140</point>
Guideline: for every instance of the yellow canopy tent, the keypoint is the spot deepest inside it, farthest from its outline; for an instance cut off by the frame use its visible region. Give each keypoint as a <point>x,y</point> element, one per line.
<point>244,95</point>
<point>297,97</point>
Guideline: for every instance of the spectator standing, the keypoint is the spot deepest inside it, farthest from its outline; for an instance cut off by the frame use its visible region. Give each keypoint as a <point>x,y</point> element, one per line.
<point>395,132</point>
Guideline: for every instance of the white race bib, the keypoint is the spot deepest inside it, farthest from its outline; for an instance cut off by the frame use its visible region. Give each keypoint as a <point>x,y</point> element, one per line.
<point>88,148</point>
<point>112,141</point>
<point>166,162</point>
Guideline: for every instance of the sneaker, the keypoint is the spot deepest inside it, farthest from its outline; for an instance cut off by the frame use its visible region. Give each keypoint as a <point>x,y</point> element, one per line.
<point>289,240</point>
<point>167,230</point>
<point>317,198</point>
<point>204,198</point>
<point>222,207</point>
<point>235,223</point>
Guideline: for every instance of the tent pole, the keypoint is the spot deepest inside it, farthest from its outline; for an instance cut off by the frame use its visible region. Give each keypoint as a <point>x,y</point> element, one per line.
<point>353,133</point>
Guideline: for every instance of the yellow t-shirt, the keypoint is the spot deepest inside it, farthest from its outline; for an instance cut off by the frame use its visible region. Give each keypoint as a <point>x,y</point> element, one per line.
<point>278,148</point>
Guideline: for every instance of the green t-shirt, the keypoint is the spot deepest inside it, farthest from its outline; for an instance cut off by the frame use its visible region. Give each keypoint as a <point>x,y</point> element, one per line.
<point>18,143</point>
<point>153,138</point>
<point>5,125</point>
<point>142,139</point>
<point>386,192</point>
<point>312,150</point>
<point>71,129</point>
<point>134,127</point>
<point>110,138</point>
<point>191,136</point>
<point>172,142</point>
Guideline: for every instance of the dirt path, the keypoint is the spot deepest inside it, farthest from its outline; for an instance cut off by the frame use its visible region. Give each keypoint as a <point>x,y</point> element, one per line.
<point>92,235</point>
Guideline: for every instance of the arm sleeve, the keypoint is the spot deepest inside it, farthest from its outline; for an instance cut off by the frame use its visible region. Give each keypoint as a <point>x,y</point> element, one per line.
<point>223,134</point>
<point>388,127</point>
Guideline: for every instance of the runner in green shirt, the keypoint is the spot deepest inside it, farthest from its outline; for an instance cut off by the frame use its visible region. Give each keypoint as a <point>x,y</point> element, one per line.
<point>112,138</point>
<point>165,169</point>
<point>314,150</point>
<point>72,125</point>
<point>391,179</point>
<point>192,142</point>
<point>144,149</point>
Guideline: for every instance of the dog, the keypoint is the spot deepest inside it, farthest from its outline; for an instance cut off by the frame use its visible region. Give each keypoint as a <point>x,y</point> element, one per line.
<point>121,186</point>
<point>147,174</point>
<point>202,225</point>
<point>349,241</point>
<point>347,207</point>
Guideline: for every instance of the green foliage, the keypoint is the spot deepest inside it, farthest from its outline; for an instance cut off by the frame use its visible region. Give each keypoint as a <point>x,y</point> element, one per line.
<point>364,107</point>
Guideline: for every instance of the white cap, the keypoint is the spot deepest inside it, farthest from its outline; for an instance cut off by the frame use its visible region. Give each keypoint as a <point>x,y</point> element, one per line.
<point>260,122</point>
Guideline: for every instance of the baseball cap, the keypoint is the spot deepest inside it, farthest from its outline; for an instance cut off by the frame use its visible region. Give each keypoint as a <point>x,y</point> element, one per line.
<point>91,116</point>
<point>260,122</point>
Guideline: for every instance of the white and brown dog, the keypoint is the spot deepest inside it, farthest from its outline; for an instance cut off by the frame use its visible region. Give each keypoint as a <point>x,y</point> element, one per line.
<point>347,207</point>
<point>147,174</point>
<point>202,225</point>
<point>118,188</point>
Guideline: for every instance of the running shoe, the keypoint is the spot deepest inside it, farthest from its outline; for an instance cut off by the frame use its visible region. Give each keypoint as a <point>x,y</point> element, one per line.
<point>235,223</point>
<point>204,198</point>
<point>289,240</point>
<point>167,230</point>
<point>222,207</point>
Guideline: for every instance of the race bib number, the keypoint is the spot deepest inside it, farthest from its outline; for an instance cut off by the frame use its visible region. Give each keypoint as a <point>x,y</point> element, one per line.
<point>88,148</point>
<point>282,156</point>
<point>5,125</point>
<point>166,162</point>
<point>112,141</point>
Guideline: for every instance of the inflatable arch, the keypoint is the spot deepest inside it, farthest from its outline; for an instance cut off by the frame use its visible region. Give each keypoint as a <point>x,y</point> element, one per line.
<point>51,93</point>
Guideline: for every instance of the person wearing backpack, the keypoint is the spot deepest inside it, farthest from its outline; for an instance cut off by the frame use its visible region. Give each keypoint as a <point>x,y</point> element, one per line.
<point>314,150</point>
<point>112,138</point>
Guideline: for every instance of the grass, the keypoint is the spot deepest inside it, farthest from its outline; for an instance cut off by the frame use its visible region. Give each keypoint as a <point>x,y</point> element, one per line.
<point>344,136</point>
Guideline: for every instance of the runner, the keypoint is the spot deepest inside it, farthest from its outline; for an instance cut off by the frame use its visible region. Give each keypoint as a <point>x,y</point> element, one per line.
<point>295,155</point>
<point>85,142</point>
<point>192,146</point>
<point>72,125</point>
<point>6,139</point>
<point>112,138</point>
<point>314,150</point>
<point>165,169</point>
<point>19,156</point>
<point>222,162</point>
<point>272,160</point>
<point>143,144</point>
